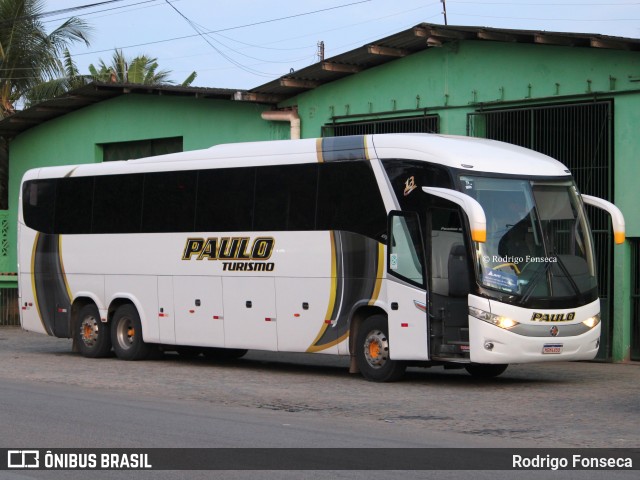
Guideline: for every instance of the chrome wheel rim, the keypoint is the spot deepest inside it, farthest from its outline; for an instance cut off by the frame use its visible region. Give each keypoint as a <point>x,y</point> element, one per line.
<point>89,330</point>
<point>376,349</point>
<point>125,333</point>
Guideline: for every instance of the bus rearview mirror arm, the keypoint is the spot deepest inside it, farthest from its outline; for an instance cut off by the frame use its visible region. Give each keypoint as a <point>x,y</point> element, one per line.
<point>473,209</point>
<point>617,219</point>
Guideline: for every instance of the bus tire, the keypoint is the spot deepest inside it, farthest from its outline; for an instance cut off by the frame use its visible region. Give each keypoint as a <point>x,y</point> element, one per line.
<point>91,335</point>
<point>126,334</point>
<point>485,370</point>
<point>372,351</point>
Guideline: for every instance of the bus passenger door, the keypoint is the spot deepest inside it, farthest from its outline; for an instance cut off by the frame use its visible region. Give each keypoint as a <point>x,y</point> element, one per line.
<point>406,295</point>
<point>250,313</point>
<point>198,311</point>
<point>450,283</point>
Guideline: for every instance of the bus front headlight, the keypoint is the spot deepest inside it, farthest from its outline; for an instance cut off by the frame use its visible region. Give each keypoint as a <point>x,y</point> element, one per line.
<point>497,320</point>
<point>592,321</point>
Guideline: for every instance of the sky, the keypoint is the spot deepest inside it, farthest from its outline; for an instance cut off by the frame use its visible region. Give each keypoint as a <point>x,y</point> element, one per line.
<point>242,44</point>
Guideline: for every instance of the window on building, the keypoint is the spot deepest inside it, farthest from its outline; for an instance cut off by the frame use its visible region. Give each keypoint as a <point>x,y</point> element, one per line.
<point>416,124</point>
<point>140,148</point>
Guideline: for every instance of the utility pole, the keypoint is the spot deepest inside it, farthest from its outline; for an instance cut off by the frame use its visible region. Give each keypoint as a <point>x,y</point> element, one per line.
<point>320,51</point>
<point>444,11</point>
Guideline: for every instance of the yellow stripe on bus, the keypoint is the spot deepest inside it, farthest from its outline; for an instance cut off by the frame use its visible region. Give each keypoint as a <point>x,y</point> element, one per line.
<point>332,300</point>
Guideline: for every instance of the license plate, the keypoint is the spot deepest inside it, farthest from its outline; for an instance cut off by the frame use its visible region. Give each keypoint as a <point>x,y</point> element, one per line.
<point>551,348</point>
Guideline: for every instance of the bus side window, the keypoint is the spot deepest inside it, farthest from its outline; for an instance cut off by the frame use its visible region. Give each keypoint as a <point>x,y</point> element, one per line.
<point>117,204</point>
<point>169,201</point>
<point>74,204</point>
<point>38,200</point>
<point>286,197</point>
<point>349,199</point>
<point>225,200</point>
<point>405,259</point>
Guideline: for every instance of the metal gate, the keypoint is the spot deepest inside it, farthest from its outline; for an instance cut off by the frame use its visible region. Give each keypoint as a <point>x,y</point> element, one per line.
<point>635,298</point>
<point>420,124</point>
<point>580,136</point>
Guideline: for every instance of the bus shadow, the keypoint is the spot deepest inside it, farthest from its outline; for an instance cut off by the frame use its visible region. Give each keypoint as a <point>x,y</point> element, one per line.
<point>414,375</point>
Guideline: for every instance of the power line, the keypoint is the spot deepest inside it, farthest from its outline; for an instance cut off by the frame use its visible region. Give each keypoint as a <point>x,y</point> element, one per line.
<point>197,29</point>
<point>202,33</point>
<point>548,4</point>
<point>110,9</point>
<point>59,12</point>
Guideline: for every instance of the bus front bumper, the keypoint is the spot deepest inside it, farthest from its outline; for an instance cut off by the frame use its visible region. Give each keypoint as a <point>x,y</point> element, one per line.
<point>492,344</point>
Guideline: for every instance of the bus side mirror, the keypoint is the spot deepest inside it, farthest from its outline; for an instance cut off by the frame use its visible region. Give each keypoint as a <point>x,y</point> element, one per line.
<point>471,207</point>
<point>617,219</point>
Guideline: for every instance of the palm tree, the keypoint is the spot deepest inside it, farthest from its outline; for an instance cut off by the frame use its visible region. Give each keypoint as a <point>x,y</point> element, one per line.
<point>58,86</point>
<point>141,69</point>
<point>28,54</point>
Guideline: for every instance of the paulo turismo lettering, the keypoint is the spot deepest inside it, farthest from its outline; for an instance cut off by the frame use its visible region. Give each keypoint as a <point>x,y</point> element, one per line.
<point>548,462</point>
<point>247,255</point>
<point>552,317</point>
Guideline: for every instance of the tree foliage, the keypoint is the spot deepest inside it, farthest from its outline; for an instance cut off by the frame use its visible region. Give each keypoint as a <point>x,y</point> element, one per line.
<point>30,56</point>
<point>139,70</point>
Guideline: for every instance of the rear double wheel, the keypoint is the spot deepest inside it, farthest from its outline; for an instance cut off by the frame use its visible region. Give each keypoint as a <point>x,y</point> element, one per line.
<point>372,351</point>
<point>126,334</point>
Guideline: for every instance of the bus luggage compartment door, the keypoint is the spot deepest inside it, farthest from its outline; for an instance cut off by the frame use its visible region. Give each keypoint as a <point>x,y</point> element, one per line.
<point>250,313</point>
<point>199,312</point>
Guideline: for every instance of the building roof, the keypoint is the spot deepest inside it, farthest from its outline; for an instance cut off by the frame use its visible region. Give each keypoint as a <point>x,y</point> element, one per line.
<point>93,93</point>
<point>420,37</point>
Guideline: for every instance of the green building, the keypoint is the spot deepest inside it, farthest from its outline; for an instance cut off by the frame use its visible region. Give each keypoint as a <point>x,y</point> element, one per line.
<point>575,97</point>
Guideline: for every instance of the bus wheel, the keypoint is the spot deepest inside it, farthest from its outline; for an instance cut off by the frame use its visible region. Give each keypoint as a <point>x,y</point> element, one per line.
<point>126,334</point>
<point>214,353</point>
<point>92,335</point>
<point>372,352</point>
<point>485,370</point>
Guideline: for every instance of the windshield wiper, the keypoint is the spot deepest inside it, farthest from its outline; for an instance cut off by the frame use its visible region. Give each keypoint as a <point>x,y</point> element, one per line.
<point>528,291</point>
<point>564,269</point>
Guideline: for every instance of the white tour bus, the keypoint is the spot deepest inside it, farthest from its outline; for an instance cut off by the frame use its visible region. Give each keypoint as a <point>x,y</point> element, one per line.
<point>394,249</point>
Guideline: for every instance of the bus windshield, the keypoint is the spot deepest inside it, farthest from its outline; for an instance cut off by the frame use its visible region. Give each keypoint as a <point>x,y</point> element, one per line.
<point>538,243</point>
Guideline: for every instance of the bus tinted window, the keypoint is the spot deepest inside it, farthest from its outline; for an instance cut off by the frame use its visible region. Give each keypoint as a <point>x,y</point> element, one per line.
<point>409,176</point>
<point>117,206</point>
<point>349,199</point>
<point>73,206</point>
<point>38,200</point>
<point>286,197</point>
<point>169,201</point>
<point>225,200</point>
